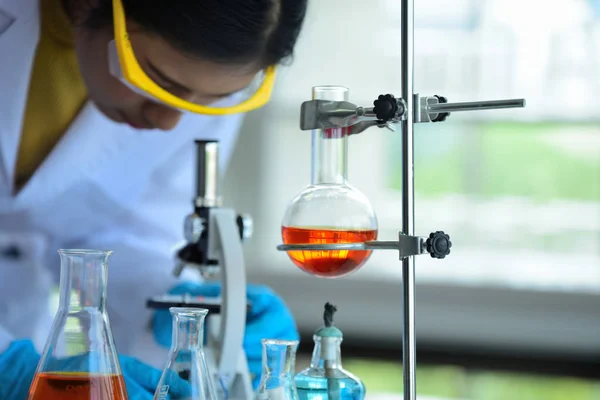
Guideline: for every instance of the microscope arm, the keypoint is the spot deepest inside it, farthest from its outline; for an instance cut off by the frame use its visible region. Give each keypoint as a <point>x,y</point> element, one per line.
<point>233,292</point>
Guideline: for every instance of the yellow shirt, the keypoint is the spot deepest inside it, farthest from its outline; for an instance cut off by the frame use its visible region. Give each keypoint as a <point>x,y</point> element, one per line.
<point>56,91</point>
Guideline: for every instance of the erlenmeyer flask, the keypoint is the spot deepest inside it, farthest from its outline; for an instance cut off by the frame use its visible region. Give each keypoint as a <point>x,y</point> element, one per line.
<point>186,375</point>
<point>277,382</point>
<point>329,210</point>
<point>79,361</point>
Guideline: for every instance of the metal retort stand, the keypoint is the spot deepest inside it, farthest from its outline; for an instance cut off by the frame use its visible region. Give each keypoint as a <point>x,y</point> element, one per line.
<point>388,111</point>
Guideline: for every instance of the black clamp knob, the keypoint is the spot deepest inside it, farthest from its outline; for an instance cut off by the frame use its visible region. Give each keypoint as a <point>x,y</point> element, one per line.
<point>385,107</point>
<point>438,244</point>
<point>245,226</point>
<point>441,117</point>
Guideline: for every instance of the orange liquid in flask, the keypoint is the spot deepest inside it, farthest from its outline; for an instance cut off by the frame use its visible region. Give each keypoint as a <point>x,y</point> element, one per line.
<point>77,386</point>
<point>328,263</point>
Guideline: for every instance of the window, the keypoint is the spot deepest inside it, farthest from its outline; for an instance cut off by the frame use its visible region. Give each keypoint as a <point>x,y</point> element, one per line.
<point>518,190</point>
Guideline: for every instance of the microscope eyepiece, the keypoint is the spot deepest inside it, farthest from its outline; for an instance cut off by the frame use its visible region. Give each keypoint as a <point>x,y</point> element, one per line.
<point>207,173</point>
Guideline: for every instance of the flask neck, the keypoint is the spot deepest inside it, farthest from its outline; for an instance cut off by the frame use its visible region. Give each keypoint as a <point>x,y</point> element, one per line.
<point>329,156</point>
<point>327,353</point>
<point>83,279</point>
<point>188,329</point>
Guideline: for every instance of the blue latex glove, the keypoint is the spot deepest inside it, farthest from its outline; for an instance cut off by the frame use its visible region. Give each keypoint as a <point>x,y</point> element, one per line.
<point>17,368</point>
<point>142,380</point>
<point>269,318</point>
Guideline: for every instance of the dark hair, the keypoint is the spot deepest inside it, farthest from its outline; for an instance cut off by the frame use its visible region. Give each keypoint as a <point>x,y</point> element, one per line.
<point>223,31</point>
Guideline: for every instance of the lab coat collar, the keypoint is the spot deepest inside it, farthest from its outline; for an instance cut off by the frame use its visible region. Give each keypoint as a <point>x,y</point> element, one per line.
<point>19,33</point>
<point>91,141</point>
<point>94,148</point>
<point>19,9</point>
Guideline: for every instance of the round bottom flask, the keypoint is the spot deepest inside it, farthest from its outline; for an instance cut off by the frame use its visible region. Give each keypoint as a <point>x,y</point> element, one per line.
<point>329,210</point>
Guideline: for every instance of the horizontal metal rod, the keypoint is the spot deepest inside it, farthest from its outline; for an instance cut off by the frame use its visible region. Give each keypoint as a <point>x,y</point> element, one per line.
<point>476,105</point>
<point>369,245</point>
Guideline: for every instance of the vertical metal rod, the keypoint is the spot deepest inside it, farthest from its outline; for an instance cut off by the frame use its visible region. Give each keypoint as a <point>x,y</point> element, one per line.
<point>408,215</point>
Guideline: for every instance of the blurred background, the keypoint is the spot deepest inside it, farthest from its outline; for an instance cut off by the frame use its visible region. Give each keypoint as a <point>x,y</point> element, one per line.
<point>514,312</point>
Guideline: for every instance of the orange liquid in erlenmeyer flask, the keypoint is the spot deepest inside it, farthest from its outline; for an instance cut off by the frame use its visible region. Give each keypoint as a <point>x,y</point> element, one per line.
<point>328,263</point>
<point>77,386</point>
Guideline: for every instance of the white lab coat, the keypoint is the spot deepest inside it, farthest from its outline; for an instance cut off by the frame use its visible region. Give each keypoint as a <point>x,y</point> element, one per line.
<point>104,186</point>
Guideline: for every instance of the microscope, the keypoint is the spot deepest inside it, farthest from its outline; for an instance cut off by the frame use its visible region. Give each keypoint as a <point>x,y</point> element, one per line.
<point>214,237</point>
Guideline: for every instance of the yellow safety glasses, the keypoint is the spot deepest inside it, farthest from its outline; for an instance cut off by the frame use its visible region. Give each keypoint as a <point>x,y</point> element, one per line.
<point>124,66</point>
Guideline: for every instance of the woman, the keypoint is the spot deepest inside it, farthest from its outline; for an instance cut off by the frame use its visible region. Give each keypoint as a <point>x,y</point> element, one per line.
<point>87,91</point>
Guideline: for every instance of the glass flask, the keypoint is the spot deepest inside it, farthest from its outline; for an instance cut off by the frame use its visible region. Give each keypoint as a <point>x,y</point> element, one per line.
<point>277,381</point>
<point>79,361</point>
<point>186,374</point>
<point>325,379</point>
<point>329,210</point>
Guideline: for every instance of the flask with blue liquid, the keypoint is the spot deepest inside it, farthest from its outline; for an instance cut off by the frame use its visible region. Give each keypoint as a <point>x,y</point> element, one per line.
<point>325,379</point>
